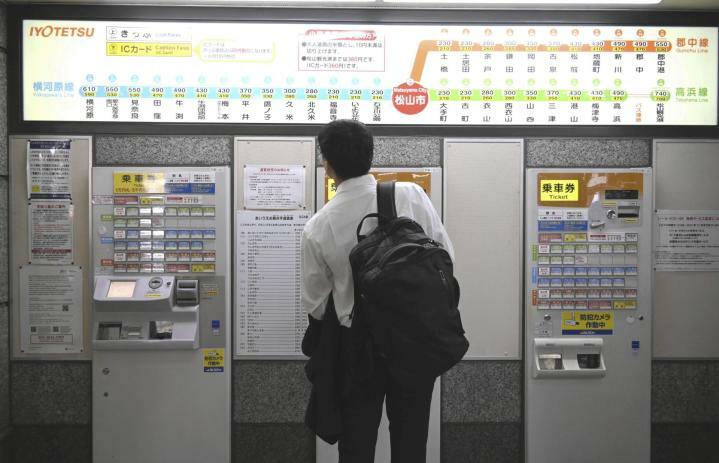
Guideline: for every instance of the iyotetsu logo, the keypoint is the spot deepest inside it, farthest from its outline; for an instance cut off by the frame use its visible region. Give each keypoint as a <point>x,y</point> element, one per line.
<point>61,31</point>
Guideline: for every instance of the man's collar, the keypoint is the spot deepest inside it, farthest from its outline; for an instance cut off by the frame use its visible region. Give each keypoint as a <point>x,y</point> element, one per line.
<point>356,182</point>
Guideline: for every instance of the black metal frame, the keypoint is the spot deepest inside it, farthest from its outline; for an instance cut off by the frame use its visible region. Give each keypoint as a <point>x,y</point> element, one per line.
<point>16,13</point>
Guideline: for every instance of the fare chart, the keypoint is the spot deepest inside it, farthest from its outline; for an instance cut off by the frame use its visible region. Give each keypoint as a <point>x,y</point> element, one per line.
<point>290,73</point>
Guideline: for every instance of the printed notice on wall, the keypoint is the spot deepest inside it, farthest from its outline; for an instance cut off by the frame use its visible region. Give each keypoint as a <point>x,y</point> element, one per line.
<point>274,187</point>
<point>270,319</point>
<point>51,232</point>
<point>687,240</point>
<point>48,169</point>
<point>50,309</point>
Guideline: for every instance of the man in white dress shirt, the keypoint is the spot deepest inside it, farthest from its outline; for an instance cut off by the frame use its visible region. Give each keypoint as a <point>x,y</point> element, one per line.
<point>347,150</point>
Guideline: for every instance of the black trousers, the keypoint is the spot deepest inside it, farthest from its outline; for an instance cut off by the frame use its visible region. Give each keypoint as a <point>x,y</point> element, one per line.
<point>407,410</point>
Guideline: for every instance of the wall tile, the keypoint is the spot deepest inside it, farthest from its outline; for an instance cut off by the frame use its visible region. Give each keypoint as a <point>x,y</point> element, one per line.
<point>482,392</point>
<point>5,441</point>
<point>4,231</point>
<point>44,393</point>
<point>272,443</point>
<point>270,391</point>
<point>481,443</point>
<point>679,443</point>
<point>163,150</point>
<point>407,152</point>
<point>587,152</point>
<point>3,105</point>
<point>51,444</point>
<point>3,25</point>
<point>4,369</point>
<point>685,391</point>
<point>403,152</point>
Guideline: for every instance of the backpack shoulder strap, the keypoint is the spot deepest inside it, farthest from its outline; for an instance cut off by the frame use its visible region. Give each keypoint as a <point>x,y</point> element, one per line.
<point>385,202</point>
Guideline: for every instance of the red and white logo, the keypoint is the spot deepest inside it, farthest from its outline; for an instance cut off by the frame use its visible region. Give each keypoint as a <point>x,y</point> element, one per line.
<point>410,97</point>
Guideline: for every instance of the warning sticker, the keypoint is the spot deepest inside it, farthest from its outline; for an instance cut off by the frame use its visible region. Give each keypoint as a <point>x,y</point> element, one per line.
<point>213,360</point>
<point>587,323</point>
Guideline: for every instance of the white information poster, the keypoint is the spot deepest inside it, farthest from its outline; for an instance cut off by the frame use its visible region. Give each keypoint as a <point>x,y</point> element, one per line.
<point>48,169</point>
<point>270,319</point>
<point>50,309</point>
<point>687,240</point>
<point>405,74</point>
<point>51,232</point>
<point>274,187</point>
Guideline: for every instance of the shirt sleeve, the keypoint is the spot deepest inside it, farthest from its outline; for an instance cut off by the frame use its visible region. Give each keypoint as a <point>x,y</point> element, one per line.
<point>426,215</point>
<point>316,278</point>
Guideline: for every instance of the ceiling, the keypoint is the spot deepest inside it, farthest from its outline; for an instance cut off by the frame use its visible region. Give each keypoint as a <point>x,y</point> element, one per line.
<point>561,4</point>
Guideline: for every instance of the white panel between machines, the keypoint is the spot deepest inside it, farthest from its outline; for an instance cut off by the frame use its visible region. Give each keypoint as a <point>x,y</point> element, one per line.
<point>685,307</point>
<point>430,179</point>
<point>483,214</point>
<point>274,185</point>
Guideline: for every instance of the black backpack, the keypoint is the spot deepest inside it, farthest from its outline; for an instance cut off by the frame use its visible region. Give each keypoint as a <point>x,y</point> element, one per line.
<point>405,295</point>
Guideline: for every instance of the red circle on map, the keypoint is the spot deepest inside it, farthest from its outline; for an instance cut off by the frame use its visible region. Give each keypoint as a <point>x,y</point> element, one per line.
<point>410,98</point>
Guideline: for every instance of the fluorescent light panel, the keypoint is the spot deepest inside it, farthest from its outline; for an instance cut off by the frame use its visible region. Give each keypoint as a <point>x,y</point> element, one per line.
<point>536,2</point>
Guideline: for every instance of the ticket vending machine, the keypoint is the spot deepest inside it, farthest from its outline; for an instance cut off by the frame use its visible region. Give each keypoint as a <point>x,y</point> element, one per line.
<point>430,180</point>
<point>588,315</point>
<point>161,314</point>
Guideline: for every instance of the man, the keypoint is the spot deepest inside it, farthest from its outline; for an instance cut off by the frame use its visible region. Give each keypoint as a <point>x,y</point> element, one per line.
<point>347,150</point>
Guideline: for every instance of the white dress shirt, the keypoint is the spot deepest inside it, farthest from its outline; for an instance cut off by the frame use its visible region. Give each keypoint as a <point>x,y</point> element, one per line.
<point>330,235</point>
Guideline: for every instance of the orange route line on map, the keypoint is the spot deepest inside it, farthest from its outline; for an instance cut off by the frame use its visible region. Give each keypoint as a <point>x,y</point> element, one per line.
<point>427,46</point>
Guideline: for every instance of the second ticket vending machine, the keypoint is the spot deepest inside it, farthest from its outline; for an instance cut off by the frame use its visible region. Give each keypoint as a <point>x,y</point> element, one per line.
<point>588,315</point>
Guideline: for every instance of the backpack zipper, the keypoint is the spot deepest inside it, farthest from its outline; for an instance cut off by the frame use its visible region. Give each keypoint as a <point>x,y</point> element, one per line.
<point>445,283</point>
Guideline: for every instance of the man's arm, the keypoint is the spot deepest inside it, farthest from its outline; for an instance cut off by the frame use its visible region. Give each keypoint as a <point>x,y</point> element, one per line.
<point>316,282</point>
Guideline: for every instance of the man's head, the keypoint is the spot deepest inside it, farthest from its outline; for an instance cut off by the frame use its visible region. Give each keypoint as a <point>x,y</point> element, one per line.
<point>348,148</point>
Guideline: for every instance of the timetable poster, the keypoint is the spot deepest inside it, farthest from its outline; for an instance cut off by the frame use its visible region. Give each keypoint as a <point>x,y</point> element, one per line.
<point>293,73</point>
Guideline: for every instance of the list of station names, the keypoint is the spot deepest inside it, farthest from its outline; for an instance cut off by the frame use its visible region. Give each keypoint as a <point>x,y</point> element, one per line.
<point>271,320</point>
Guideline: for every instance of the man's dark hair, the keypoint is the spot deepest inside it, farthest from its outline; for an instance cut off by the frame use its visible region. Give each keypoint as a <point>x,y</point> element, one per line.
<point>348,146</point>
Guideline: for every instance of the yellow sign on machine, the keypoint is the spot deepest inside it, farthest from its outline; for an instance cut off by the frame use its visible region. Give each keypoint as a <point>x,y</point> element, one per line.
<point>559,190</point>
<point>587,323</point>
<point>213,360</point>
<point>138,182</point>
<point>421,178</point>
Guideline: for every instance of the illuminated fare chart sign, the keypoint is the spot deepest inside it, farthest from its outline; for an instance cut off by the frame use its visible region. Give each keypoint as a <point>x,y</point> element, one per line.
<point>379,74</point>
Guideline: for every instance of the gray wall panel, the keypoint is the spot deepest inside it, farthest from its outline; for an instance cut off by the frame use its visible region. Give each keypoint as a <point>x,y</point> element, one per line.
<point>583,152</point>
<point>3,25</point>
<point>483,392</point>
<point>51,444</point>
<point>685,392</point>
<point>3,107</point>
<point>690,443</point>
<point>272,443</point>
<point>4,261</point>
<point>163,151</point>
<point>269,391</point>
<point>403,152</point>
<point>45,393</point>
<point>4,369</point>
<point>481,443</point>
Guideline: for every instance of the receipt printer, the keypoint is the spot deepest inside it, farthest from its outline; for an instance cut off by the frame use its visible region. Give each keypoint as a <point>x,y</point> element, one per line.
<point>152,312</point>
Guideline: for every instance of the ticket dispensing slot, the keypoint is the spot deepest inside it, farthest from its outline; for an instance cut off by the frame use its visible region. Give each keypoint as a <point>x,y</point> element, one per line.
<point>568,358</point>
<point>146,313</point>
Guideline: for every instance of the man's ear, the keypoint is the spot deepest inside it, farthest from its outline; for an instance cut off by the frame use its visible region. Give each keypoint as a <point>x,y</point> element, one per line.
<point>329,170</point>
